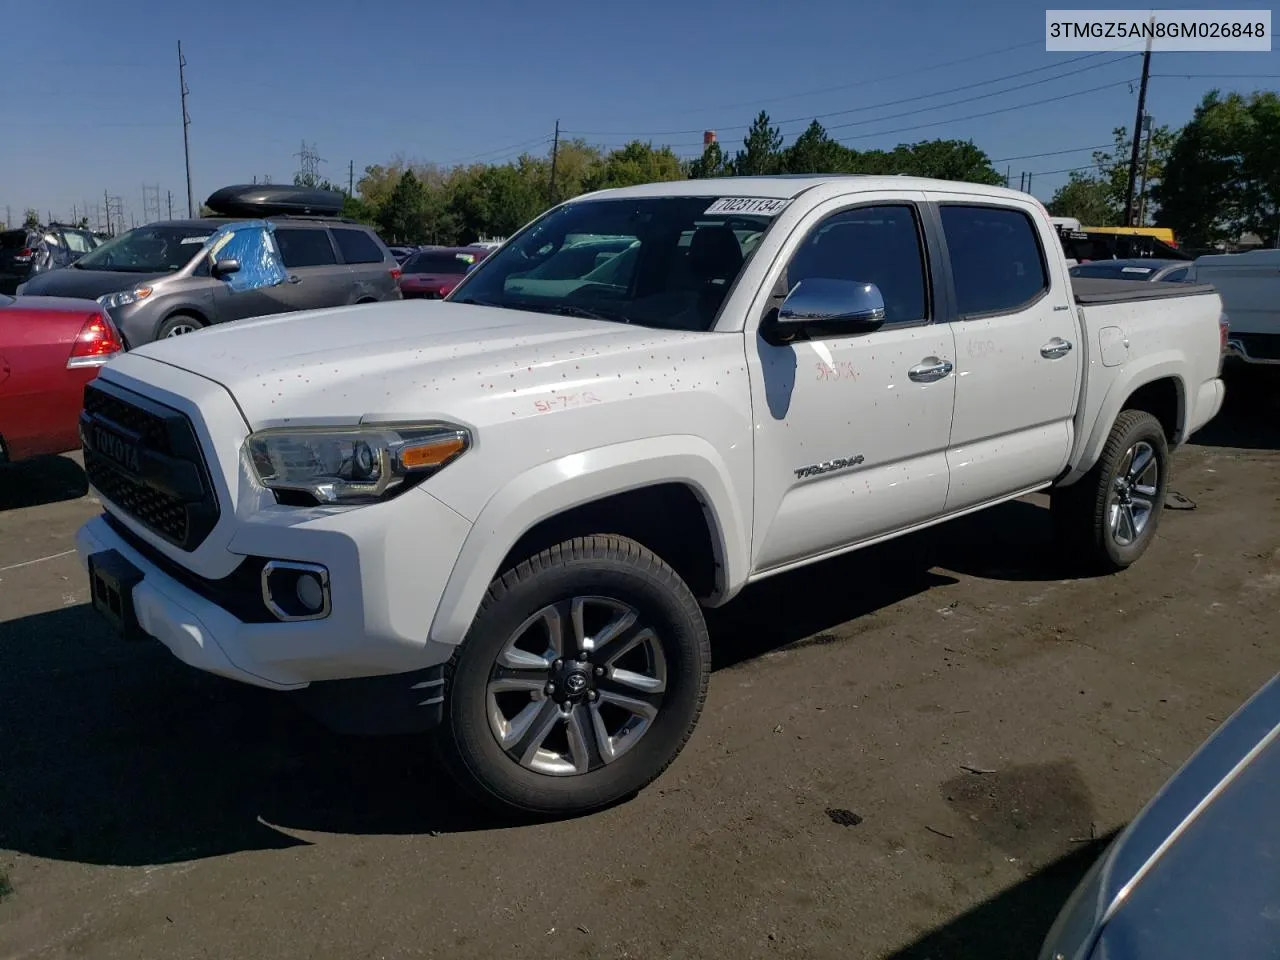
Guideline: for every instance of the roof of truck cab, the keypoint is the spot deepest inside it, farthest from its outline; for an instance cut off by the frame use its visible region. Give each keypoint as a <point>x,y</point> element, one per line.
<point>788,186</point>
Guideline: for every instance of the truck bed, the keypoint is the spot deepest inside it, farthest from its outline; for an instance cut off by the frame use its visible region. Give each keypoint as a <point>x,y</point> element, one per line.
<point>1092,291</point>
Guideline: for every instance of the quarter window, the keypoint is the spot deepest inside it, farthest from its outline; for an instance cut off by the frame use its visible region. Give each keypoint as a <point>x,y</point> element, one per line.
<point>879,245</point>
<point>303,247</point>
<point>357,246</point>
<point>996,260</point>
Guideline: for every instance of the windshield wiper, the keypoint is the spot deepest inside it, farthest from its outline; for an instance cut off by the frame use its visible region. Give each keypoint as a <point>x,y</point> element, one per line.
<point>573,310</point>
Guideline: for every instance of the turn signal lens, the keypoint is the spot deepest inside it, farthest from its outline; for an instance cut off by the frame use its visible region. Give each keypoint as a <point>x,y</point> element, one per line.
<point>433,453</point>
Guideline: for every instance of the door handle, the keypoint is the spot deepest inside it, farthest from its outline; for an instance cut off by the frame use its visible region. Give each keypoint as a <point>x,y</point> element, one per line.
<point>930,369</point>
<point>1055,349</point>
<point>294,278</point>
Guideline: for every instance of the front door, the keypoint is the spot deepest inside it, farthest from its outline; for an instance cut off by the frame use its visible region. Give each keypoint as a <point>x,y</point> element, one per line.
<point>251,290</point>
<point>851,431</point>
<point>1017,355</point>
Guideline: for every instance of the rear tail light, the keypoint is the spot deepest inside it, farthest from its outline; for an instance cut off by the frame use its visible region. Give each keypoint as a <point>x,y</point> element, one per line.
<point>1223,331</point>
<point>96,343</point>
<point>23,255</point>
<point>395,273</point>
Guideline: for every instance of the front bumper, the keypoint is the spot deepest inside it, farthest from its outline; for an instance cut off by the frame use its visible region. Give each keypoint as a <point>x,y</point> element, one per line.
<point>386,575</point>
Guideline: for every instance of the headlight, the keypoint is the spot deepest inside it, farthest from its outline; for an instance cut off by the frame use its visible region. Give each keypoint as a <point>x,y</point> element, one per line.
<point>110,301</point>
<point>353,464</point>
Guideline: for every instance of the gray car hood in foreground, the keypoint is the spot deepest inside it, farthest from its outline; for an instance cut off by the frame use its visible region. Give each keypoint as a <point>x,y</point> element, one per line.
<point>1196,875</point>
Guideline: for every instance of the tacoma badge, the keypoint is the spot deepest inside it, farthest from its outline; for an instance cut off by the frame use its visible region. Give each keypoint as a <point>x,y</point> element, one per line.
<point>828,466</point>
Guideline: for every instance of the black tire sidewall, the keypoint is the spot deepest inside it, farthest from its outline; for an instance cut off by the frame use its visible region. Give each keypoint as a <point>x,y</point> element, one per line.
<point>1147,430</point>
<point>672,613</point>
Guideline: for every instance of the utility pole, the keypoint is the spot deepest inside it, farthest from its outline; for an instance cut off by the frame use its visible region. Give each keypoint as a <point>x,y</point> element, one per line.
<point>106,203</point>
<point>1137,135</point>
<point>186,122</point>
<point>351,178</point>
<point>1022,181</point>
<point>1146,165</point>
<point>555,155</point>
<point>1008,172</point>
<point>1028,183</point>
<point>170,193</point>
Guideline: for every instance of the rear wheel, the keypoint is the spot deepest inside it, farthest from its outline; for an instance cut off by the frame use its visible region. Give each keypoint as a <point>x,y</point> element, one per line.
<point>178,325</point>
<point>1107,519</point>
<point>580,680</point>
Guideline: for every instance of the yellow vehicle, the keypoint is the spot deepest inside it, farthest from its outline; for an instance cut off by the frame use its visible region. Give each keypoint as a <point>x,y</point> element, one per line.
<point>1164,234</point>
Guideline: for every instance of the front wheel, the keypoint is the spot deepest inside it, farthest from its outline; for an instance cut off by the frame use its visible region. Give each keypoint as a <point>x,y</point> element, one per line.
<point>1107,519</point>
<point>579,682</point>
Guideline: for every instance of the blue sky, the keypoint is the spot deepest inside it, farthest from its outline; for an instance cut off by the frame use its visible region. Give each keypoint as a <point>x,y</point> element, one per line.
<point>91,98</point>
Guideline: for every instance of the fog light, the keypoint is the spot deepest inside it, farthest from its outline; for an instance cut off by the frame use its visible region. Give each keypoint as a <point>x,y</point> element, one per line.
<point>295,591</point>
<point>310,592</point>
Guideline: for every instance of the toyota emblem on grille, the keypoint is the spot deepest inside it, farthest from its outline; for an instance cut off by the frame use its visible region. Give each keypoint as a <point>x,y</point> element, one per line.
<point>117,449</point>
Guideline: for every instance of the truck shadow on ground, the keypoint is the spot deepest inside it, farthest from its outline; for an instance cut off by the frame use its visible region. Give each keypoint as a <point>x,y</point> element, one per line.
<point>113,752</point>
<point>42,480</point>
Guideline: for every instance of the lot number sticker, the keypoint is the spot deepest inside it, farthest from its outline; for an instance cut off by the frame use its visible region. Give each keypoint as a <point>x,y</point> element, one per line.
<point>760,206</point>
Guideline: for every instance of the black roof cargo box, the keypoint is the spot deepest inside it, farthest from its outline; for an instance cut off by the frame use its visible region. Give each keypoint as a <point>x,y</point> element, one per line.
<point>265,200</point>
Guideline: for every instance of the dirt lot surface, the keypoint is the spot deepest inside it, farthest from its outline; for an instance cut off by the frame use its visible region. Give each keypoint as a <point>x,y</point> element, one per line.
<point>149,811</point>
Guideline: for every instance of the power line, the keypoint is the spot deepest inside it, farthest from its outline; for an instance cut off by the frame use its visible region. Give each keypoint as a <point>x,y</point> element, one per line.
<point>863,83</point>
<point>913,99</point>
<point>1217,76</point>
<point>1053,153</point>
<point>536,141</point>
<point>986,113</point>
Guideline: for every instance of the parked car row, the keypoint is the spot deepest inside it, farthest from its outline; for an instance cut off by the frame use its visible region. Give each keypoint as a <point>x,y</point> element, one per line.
<point>433,273</point>
<point>28,251</point>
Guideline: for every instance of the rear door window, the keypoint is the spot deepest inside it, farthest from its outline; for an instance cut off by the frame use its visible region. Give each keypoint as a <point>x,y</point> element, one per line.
<point>997,263</point>
<point>356,246</point>
<point>304,247</point>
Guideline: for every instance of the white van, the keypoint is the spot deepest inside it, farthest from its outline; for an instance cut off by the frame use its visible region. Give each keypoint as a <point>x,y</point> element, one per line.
<point>1249,284</point>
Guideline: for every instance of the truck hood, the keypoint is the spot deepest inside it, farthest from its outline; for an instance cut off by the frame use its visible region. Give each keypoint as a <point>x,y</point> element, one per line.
<point>400,360</point>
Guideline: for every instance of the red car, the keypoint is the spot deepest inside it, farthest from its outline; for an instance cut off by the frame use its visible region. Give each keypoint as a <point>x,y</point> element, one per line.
<point>50,347</point>
<point>432,274</point>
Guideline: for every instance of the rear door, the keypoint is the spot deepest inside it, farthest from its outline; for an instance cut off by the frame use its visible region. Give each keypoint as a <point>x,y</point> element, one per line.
<point>370,265</point>
<point>316,279</point>
<point>1017,359</point>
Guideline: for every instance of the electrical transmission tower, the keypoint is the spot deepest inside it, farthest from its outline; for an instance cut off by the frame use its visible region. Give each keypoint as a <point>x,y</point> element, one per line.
<point>308,165</point>
<point>151,210</point>
<point>114,213</point>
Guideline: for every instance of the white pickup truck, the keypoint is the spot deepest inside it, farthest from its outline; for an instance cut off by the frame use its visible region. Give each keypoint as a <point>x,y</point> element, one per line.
<point>499,515</point>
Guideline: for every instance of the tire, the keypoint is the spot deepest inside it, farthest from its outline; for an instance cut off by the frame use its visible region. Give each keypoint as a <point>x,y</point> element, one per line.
<point>178,325</point>
<point>665,650</point>
<point>1091,522</point>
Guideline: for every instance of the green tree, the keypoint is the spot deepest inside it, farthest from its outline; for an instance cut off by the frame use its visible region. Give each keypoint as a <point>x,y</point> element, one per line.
<point>949,160</point>
<point>712,163</point>
<point>762,149</point>
<point>633,164</point>
<point>401,217</point>
<point>1222,177</point>
<point>1084,197</point>
<point>815,152</point>
<point>1113,170</point>
<point>31,218</point>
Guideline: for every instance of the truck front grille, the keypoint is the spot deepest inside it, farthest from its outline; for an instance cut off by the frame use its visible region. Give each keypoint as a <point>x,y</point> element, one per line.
<point>144,458</point>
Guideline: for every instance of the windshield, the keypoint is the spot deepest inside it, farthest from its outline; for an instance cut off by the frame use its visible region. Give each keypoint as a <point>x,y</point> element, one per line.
<point>155,248</point>
<point>450,263</point>
<point>657,262</point>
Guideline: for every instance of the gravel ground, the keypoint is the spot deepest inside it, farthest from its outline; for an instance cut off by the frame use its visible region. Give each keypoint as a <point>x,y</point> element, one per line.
<point>911,752</point>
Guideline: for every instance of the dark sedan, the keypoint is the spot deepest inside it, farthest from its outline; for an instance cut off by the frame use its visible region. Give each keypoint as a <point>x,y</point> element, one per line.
<point>1196,875</point>
<point>1157,271</point>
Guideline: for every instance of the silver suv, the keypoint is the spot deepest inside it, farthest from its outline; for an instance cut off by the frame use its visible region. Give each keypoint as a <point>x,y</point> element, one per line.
<point>174,277</point>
